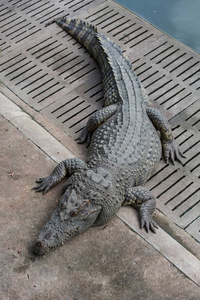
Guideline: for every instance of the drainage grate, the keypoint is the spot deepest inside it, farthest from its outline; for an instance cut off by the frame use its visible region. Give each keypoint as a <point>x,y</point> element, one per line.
<point>55,75</point>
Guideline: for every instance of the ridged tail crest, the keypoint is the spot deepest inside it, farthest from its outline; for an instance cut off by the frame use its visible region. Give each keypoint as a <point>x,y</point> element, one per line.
<point>82,31</point>
<point>116,69</point>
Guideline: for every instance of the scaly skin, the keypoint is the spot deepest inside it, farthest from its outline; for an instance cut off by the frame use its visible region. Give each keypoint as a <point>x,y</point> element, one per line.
<point>124,150</point>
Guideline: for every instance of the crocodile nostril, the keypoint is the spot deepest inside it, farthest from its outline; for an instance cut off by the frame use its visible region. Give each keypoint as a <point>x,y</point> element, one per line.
<point>40,248</point>
<point>39,244</point>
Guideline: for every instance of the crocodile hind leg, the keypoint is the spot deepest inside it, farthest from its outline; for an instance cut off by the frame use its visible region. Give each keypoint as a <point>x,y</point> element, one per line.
<point>95,121</point>
<point>143,200</point>
<point>64,168</point>
<point>170,148</point>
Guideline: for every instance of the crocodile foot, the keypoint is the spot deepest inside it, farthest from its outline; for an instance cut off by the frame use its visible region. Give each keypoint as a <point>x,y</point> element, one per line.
<point>44,184</point>
<point>171,151</point>
<point>85,137</point>
<point>148,224</point>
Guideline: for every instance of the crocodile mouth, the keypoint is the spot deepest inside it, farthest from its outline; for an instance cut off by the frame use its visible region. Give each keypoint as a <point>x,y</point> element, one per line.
<point>42,247</point>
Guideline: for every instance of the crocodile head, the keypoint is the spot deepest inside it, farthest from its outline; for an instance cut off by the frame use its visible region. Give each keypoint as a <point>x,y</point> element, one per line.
<point>73,215</point>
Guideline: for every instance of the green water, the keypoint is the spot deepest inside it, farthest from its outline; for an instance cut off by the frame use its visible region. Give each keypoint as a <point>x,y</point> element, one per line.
<point>178,18</point>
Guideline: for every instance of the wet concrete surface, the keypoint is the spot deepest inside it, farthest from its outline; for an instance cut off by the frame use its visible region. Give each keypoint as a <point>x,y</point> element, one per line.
<point>106,262</point>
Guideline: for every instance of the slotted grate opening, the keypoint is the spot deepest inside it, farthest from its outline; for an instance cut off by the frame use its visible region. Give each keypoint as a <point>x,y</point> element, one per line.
<point>55,75</point>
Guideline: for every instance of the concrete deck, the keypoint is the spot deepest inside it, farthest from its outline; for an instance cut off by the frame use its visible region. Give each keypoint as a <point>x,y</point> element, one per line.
<point>107,262</point>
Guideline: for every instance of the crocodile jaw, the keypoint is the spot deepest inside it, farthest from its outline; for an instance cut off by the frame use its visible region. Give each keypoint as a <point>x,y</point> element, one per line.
<point>51,238</point>
<point>72,216</point>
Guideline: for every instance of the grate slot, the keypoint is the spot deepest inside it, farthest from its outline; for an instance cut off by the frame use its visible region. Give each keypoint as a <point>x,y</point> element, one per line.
<point>30,75</point>
<point>179,193</point>
<point>7,17</point>
<point>172,186</point>
<point>17,28</point>
<point>155,49</point>
<point>120,24</point>
<point>35,7</point>
<point>62,106</point>
<point>8,60</point>
<point>51,14</point>
<point>170,55</point>
<point>11,22</point>
<point>182,207</point>
<point>193,229</point>
<point>43,10</point>
<point>23,72</point>
<point>53,57</point>
<point>111,24</point>
<point>80,7</point>
<point>188,70</point>
<point>45,56</point>
<point>52,91</point>
<point>32,80</point>
<point>196,206</point>
<point>184,98</point>
<point>124,29</point>
<point>77,69</point>
<point>191,161</point>
<point>31,5</point>
<point>196,72</point>
<point>79,125</point>
<point>95,13</point>
<point>70,109</point>
<point>12,68</point>
<point>148,76</point>
<point>56,60</point>
<point>155,89</point>
<point>182,196</point>
<point>39,86</point>
<point>152,82</point>
<point>126,36</point>
<point>43,47</point>
<point>91,89</point>
<point>20,4</point>
<point>81,76</point>
<point>168,95</point>
<point>190,147</point>
<point>135,37</point>
<point>44,88</point>
<point>193,114</point>
<point>141,39</point>
<point>71,66</point>
<point>74,118</point>
<point>101,16</point>
<point>175,61</point>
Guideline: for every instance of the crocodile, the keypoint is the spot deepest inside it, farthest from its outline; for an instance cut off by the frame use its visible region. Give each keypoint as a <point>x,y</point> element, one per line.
<point>125,140</point>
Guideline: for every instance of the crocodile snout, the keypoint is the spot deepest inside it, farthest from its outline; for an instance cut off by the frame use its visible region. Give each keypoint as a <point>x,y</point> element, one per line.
<point>40,248</point>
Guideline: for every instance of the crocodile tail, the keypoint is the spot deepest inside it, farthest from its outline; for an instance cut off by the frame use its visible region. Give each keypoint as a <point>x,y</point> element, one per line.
<point>83,32</point>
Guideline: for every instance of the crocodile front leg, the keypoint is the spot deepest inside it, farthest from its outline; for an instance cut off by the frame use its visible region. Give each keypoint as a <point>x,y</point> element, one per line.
<point>94,121</point>
<point>142,199</point>
<point>66,167</point>
<point>170,148</point>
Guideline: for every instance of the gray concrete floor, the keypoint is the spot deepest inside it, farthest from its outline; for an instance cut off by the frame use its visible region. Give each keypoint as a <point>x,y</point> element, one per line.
<point>106,262</point>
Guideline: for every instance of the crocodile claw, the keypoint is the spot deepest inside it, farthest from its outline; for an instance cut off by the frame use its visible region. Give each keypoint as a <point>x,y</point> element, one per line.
<point>85,137</point>
<point>44,184</point>
<point>148,224</point>
<point>171,151</point>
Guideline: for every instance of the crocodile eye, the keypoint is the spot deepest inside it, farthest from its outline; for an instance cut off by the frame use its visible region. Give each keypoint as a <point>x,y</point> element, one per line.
<point>73,213</point>
<point>39,244</point>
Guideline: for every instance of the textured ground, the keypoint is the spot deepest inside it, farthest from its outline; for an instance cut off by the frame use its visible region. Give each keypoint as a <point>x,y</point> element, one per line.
<point>106,262</point>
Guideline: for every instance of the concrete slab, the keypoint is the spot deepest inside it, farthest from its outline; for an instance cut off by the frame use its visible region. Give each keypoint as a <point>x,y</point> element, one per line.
<point>106,262</point>
<point>30,128</point>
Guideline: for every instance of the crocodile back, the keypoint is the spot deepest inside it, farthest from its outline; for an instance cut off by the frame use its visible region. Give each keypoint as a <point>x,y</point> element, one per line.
<point>128,137</point>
